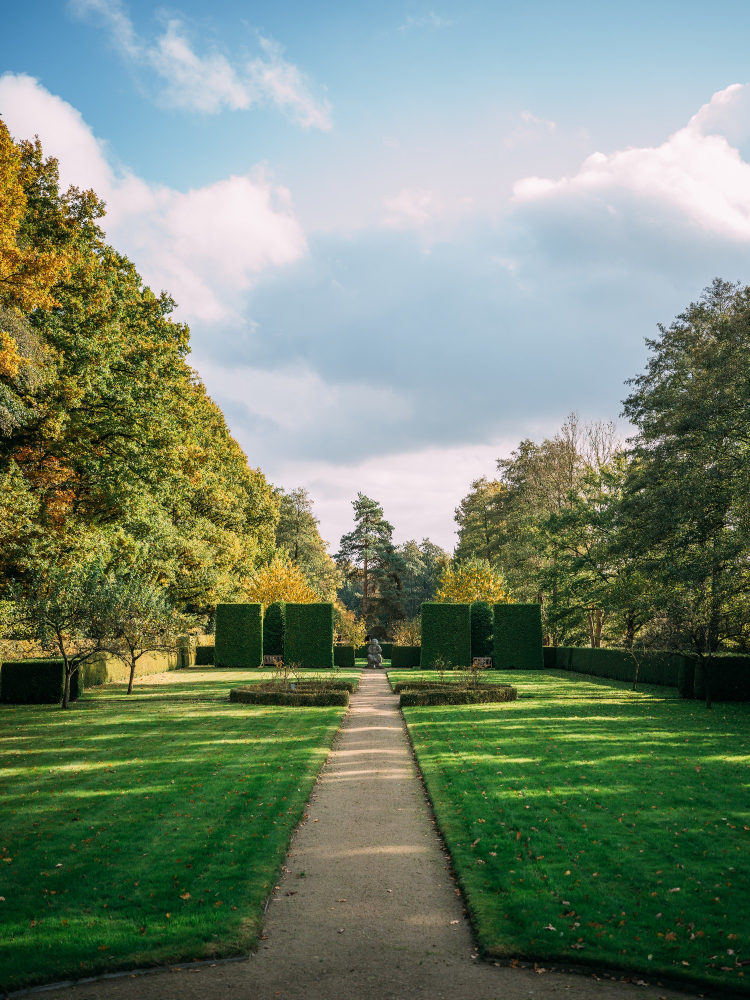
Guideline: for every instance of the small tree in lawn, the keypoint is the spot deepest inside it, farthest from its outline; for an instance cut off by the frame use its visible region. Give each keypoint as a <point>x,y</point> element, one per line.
<point>143,620</point>
<point>67,610</point>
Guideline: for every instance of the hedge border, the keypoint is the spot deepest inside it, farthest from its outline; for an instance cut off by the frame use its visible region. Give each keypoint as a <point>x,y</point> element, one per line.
<point>446,696</point>
<point>406,657</point>
<point>37,682</point>
<point>321,699</point>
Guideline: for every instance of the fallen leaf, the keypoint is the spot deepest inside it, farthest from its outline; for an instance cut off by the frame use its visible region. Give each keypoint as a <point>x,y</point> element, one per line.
<point>185,895</point>
<point>341,930</point>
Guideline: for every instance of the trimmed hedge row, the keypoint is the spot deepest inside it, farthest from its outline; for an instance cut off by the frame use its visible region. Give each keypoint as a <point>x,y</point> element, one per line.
<point>274,627</point>
<point>36,682</point>
<point>446,634</point>
<point>251,696</point>
<point>657,667</point>
<point>518,637</point>
<point>336,684</point>
<point>239,635</point>
<point>482,627</point>
<point>343,656</point>
<point>405,657</point>
<point>730,678</point>
<point>204,656</point>
<point>451,696</point>
<point>308,639</point>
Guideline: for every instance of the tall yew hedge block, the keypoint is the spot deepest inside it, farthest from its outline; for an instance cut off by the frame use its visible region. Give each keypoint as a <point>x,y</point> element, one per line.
<point>274,626</point>
<point>446,635</point>
<point>518,637</point>
<point>239,635</point>
<point>308,639</point>
<point>36,682</point>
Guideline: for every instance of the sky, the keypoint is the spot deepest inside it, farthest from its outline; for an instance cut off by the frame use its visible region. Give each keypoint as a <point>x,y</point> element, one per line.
<point>405,236</point>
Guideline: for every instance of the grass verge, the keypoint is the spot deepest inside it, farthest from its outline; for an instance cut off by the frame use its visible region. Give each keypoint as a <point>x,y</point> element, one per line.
<point>148,829</point>
<point>592,824</point>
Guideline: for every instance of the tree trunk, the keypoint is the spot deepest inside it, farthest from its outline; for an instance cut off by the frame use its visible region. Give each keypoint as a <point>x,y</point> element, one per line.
<point>629,629</point>
<point>132,674</point>
<point>66,689</point>
<point>364,593</point>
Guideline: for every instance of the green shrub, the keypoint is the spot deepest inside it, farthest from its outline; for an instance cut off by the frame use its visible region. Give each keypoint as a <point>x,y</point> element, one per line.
<point>686,678</point>
<point>239,635</point>
<point>204,656</point>
<point>455,696</point>
<point>440,685</point>
<point>343,656</point>
<point>656,666</point>
<point>518,637</point>
<point>482,626</point>
<point>274,625</point>
<point>333,684</point>
<point>252,696</point>
<point>36,682</point>
<point>730,678</point>
<point>308,639</point>
<point>446,634</point>
<point>405,657</point>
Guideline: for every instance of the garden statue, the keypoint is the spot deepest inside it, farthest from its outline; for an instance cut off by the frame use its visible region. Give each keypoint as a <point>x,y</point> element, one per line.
<point>374,654</point>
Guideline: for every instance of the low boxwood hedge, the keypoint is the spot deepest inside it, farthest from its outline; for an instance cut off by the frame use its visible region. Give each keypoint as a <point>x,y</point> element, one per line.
<point>405,657</point>
<point>343,656</point>
<point>255,696</point>
<point>36,682</point>
<point>452,695</point>
<point>326,685</point>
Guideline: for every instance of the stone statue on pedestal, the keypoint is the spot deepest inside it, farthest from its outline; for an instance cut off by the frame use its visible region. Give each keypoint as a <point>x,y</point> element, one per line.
<point>374,654</point>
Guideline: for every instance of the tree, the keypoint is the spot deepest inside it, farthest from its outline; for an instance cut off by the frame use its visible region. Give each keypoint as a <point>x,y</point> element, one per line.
<point>687,502</point>
<point>280,580</point>
<point>408,632</point>
<point>367,555</point>
<point>298,534</point>
<point>481,519</point>
<point>142,620</point>
<point>422,566</point>
<point>470,581</point>
<point>106,431</point>
<point>68,610</point>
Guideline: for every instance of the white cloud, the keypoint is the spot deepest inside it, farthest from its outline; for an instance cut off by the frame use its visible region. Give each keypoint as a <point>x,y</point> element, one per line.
<point>209,83</point>
<point>206,245</point>
<point>429,20</point>
<point>410,208</point>
<point>695,172</point>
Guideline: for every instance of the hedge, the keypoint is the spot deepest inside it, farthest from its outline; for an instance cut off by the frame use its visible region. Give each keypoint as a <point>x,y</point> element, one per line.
<point>239,635</point>
<point>452,696</point>
<point>518,637</point>
<point>204,656</point>
<point>405,657</point>
<point>730,678</point>
<point>482,627</point>
<point>438,685</point>
<point>36,682</point>
<point>343,656</point>
<point>446,634</point>
<point>251,696</point>
<point>308,640</point>
<point>274,625</point>
<point>657,666</point>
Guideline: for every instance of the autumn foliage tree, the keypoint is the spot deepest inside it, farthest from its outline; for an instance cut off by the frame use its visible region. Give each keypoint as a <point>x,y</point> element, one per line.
<point>472,580</point>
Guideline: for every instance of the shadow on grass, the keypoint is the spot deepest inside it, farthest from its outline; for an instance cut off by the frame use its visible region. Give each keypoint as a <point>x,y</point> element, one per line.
<point>589,823</point>
<point>148,829</point>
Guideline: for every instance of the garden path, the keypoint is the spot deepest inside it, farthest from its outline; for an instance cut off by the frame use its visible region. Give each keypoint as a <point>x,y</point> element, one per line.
<point>375,914</point>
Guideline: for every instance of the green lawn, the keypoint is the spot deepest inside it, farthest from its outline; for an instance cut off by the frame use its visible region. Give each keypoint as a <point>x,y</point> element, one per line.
<point>591,824</point>
<point>147,829</point>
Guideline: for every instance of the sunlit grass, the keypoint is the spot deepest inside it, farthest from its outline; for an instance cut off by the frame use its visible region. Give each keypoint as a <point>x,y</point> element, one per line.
<point>592,824</point>
<point>147,829</point>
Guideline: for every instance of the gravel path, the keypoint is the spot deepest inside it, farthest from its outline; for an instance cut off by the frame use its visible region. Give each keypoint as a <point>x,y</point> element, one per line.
<point>366,907</point>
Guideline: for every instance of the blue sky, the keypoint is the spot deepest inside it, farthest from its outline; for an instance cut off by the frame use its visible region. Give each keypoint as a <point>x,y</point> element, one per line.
<point>404,235</point>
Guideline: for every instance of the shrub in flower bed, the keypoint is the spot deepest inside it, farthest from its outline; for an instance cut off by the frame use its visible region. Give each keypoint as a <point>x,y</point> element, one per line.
<point>257,695</point>
<point>326,685</point>
<point>452,694</point>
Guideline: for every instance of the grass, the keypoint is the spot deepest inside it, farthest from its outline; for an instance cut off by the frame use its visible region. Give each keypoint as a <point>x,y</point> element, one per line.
<point>147,829</point>
<point>593,825</point>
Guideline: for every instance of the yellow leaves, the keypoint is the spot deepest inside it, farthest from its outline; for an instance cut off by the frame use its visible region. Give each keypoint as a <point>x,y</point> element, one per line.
<point>27,272</point>
<point>472,580</point>
<point>10,359</point>
<point>280,580</point>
